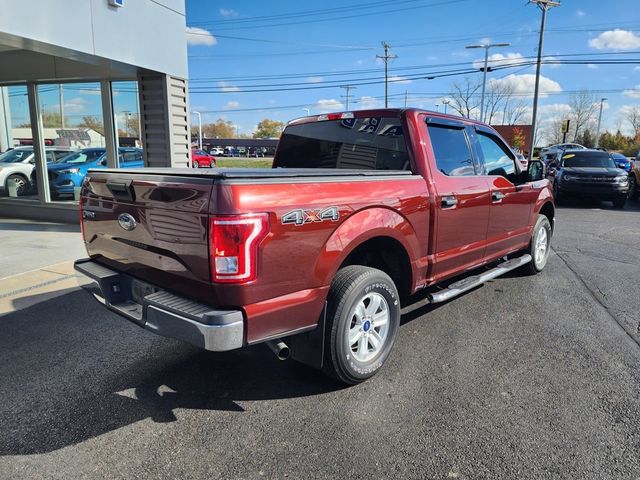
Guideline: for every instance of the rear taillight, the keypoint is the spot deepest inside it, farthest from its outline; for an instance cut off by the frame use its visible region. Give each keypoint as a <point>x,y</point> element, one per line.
<point>233,245</point>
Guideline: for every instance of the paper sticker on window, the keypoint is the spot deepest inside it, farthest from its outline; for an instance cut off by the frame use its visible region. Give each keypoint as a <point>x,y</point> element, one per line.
<point>568,155</point>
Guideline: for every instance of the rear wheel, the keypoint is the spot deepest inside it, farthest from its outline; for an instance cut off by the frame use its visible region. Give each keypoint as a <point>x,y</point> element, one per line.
<point>540,246</point>
<point>363,318</point>
<point>196,164</point>
<point>21,184</point>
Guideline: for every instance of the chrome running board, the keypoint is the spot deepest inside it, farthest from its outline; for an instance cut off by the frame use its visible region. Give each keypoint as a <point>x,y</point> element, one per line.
<point>473,281</point>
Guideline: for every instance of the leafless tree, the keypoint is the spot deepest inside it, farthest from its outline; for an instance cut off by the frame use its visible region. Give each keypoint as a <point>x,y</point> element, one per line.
<point>465,98</point>
<point>583,109</point>
<point>632,115</point>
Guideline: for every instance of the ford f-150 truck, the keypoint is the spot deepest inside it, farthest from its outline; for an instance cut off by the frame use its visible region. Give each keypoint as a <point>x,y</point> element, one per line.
<point>316,255</point>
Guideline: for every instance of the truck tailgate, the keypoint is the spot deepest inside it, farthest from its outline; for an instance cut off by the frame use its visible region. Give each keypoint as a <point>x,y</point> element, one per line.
<point>152,227</point>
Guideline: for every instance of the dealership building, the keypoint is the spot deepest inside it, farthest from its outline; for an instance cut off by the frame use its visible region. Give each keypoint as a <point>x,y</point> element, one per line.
<point>87,73</point>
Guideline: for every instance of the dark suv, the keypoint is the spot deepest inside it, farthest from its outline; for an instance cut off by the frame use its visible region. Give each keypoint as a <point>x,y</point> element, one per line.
<point>588,173</point>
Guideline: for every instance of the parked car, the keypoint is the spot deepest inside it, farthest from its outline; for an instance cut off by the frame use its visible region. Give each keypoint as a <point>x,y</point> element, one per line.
<point>69,172</point>
<point>549,153</point>
<point>216,151</point>
<point>17,167</point>
<point>622,161</point>
<point>315,256</point>
<point>200,159</point>
<point>588,173</point>
<point>523,161</point>
<point>634,178</point>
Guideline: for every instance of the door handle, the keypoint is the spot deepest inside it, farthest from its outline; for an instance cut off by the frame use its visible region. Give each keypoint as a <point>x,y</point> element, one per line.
<point>448,201</point>
<point>497,196</point>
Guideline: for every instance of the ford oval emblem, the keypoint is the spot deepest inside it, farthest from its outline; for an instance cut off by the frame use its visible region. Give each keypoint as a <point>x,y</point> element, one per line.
<point>127,221</point>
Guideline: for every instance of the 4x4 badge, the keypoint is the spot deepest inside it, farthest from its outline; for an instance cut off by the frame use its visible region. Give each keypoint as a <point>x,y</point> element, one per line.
<point>301,217</point>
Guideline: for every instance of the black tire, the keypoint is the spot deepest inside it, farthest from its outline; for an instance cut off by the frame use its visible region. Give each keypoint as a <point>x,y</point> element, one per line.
<point>23,181</point>
<point>196,164</point>
<point>633,188</point>
<point>620,201</point>
<point>557,196</point>
<point>538,262</point>
<point>351,288</point>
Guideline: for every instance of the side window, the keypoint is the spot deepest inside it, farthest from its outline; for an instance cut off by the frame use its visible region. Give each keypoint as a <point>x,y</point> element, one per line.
<point>451,149</point>
<point>498,160</point>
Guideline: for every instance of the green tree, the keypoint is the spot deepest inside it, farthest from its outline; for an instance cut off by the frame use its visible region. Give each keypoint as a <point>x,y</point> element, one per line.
<point>92,122</point>
<point>269,129</point>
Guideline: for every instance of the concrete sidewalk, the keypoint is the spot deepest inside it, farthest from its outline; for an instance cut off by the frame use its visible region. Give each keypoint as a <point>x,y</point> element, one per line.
<point>36,262</point>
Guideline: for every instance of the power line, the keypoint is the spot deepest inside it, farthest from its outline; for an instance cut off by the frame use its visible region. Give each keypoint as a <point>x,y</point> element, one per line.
<point>385,58</point>
<point>346,96</point>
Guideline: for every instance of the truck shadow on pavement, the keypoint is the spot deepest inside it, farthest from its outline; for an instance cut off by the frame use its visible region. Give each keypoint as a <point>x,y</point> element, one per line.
<point>72,371</point>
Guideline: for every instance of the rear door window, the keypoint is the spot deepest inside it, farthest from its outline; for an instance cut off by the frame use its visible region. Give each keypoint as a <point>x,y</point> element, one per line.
<point>372,143</point>
<point>451,150</point>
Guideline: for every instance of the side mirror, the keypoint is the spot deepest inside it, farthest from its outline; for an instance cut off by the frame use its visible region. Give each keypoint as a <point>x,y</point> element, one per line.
<point>535,170</point>
<point>103,162</point>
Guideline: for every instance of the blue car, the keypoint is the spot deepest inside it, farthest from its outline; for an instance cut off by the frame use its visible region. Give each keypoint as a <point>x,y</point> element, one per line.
<point>621,161</point>
<point>70,170</point>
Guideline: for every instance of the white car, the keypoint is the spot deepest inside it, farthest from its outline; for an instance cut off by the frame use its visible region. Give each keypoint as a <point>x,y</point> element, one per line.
<point>216,151</point>
<point>17,167</point>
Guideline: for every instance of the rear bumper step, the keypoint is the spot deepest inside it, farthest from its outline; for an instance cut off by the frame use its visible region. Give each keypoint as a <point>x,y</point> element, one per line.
<point>474,281</point>
<point>162,312</point>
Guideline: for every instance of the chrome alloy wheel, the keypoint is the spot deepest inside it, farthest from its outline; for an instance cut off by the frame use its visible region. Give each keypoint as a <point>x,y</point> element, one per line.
<point>541,247</point>
<point>20,183</point>
<point>369,327</point>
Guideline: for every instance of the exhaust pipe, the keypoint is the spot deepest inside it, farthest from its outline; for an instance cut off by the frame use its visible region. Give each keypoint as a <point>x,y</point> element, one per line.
<point>281,350</point>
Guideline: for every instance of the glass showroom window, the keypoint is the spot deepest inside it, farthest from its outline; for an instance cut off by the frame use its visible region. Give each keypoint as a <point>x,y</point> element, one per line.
<point>126,109</point>
<point>73,131</point>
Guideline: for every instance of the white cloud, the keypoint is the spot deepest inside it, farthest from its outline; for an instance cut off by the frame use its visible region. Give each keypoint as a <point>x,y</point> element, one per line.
<point>315,79</point>
<point>399,79</point>
<point>525,84</point>
<point>592,66</point>
<point>328,105</point>
<point>485,41</point>
<point>616,39</point>
<point>360,62</point>
<point>636,69</point>
<point>226,87</point>
<point>200,36</point>
<point>498,60</point>
<point>231,105</point>
<point>632,93</point>
<point>228,12</point>
<point>551,58</point>
<point>366,103</point>
<point>75,105</point>
<point>555,109</point>
<point>580,13</point>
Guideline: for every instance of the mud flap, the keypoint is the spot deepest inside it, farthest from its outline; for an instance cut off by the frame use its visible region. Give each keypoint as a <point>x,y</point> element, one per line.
<point>308,348</point>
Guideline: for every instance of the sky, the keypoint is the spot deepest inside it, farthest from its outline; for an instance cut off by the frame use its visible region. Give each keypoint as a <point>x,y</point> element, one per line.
<point>250,60</point>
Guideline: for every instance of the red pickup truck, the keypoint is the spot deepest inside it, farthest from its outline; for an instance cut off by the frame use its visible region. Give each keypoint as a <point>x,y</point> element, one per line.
<point>315,256</point>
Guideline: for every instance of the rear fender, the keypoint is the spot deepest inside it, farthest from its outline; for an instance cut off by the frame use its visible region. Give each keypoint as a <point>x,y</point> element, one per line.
<point>357,229</point>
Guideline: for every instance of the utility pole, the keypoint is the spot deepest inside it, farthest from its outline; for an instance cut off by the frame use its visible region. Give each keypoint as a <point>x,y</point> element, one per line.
<point>486,47</point>
<point>385,58</point>
<point>405,99</point>
<point>61,105</point>
<point>543,5</point>
<point>602,100</point>
<point>347,96</point>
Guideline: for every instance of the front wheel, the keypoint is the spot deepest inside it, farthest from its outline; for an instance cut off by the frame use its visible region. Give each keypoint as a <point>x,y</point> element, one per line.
<point>557,196</point>
<point>633,188</point>
<point>363,318</point>
<point>21,184</point>
<point>619,201</point>
<point>540,246</point>
<point>196,164</point>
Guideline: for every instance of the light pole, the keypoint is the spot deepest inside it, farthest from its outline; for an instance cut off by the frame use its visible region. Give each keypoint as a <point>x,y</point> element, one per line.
<point>544,5</point>
<point>445,103</point>
<point>308,111</point>
<point>199,128</point>
<point>486,47</point>
<point>602,100</point>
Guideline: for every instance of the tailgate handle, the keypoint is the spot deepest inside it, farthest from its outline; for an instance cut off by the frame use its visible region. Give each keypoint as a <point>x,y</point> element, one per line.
<point>122,190</point>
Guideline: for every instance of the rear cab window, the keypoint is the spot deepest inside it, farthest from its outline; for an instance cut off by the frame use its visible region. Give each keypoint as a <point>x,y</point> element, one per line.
<point>371,143</point>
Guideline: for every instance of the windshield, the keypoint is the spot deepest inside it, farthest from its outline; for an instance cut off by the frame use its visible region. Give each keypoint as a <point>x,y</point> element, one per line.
<point>15,156</point>
<point>588,159</point>
<point>83,156</point>
<point>372,143</point>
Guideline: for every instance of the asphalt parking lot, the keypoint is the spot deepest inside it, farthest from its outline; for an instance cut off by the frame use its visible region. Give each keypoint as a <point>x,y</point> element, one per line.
<point>525,377</point>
